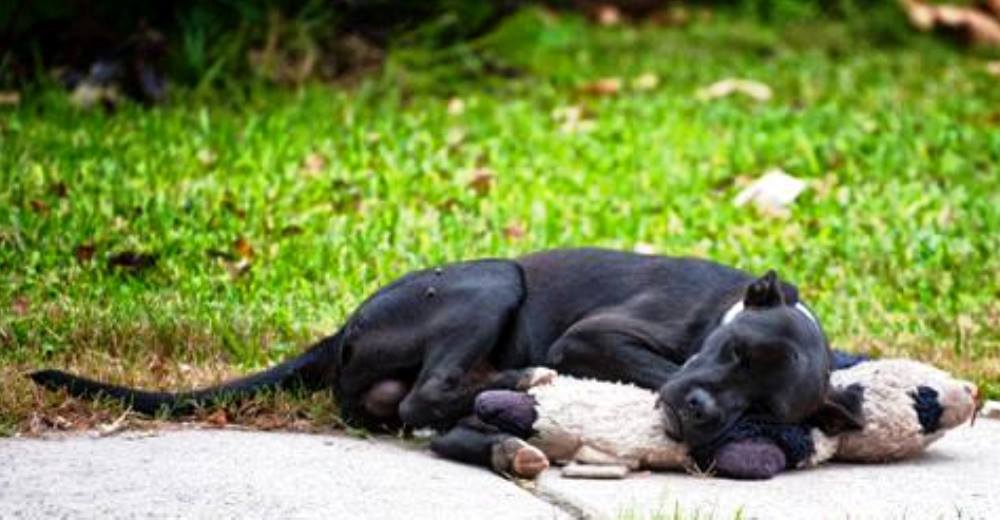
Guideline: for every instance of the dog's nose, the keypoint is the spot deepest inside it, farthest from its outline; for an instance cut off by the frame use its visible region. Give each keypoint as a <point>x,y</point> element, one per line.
<point>700,405</point>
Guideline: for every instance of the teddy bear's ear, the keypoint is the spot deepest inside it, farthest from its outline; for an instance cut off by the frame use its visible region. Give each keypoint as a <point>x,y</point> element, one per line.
<point>841,411</point>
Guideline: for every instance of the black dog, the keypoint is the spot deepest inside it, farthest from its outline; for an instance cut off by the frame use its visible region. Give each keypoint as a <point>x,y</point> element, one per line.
<point>717,342</point>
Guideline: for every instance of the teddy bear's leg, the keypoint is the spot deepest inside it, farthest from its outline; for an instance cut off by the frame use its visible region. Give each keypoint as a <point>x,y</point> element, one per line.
<point>512,412</point>
<point>476,443</point>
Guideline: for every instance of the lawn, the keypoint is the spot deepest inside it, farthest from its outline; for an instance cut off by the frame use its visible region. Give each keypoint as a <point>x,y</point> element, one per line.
<point>268,214</point>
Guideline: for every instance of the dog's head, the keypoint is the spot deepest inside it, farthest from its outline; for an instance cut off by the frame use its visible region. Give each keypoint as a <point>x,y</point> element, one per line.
<point>768,357</point>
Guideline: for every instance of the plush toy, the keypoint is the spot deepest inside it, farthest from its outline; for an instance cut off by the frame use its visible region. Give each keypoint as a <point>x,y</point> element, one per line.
<point>604,430</point>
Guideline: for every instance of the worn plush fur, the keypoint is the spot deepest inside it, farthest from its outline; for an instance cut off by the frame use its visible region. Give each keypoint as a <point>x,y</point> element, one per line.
<point>594,422</point>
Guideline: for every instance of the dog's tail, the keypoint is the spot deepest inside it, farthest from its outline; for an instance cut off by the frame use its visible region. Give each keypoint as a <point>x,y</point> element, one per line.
<point>313,370</point>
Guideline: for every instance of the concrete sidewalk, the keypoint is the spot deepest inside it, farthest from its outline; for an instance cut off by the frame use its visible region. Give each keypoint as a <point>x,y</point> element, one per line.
<point>235,474</point>
<point>958,477</point>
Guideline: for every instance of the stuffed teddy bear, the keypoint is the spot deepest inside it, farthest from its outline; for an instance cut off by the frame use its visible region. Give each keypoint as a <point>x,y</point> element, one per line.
<point>600,429</point>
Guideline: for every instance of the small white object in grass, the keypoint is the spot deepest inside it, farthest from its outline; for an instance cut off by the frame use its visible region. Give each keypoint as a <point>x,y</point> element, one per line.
<point>753,89</point>
<point>774,191</point>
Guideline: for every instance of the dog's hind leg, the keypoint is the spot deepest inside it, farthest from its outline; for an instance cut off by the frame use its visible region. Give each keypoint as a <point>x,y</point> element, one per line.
<point>434,332</point>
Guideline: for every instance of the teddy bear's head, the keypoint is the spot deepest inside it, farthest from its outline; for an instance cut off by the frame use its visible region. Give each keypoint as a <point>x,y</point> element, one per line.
<point>906,404</point>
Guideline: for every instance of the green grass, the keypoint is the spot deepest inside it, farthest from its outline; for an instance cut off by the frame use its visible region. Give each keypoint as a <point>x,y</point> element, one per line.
<point>894,245</point>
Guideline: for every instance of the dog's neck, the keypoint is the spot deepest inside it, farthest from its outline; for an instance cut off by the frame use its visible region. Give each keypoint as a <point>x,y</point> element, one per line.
<point>738,307</point>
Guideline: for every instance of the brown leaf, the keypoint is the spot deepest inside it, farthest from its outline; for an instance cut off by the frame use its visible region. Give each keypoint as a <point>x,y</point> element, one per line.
<point>514,231</point>
<point>131,261</point>
<point>20,306</point>
<point>84,252</point>
<point>40,206</point>
<point>270,422</point>
<point>157,366</point>
<point>218,418</point>
<point>243,248</point>
<point>447,205</point>
<point>602,87</point>
<point>482,181</point>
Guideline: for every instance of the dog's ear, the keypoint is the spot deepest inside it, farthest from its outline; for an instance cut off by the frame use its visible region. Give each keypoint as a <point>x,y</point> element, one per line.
<point>765,291</point>
<point>841,411</point>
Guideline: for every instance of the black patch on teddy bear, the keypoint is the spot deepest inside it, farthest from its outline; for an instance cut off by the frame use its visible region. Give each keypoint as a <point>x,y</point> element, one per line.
<point>929,410</point>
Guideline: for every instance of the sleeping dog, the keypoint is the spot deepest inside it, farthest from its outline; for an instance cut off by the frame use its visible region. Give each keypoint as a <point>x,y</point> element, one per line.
<point>716,342</point>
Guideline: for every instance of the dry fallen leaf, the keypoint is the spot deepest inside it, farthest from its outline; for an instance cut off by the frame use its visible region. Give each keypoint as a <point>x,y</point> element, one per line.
<point>243,248</point>
<point>514,231</point>
<point>84,252</point>
<point>482,181</point>
<point>993,68</point>
<point>39,206</point>
<point>217,418</point>
<point>602,87</point>
<point>772,193</point>
<point>753,89</point>
<point>20,306</point>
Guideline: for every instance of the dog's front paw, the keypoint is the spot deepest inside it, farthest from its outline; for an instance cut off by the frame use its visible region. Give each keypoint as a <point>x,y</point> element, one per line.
<point>536,377</point>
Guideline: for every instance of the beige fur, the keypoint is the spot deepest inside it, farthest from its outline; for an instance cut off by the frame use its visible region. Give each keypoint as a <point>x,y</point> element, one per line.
<point>598,422</point>
<point>595,422</point>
